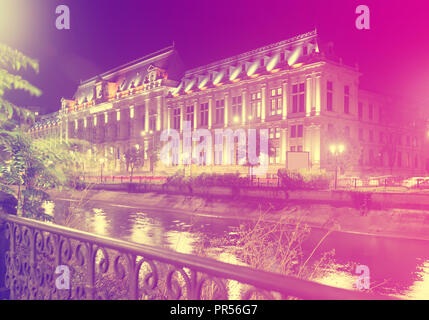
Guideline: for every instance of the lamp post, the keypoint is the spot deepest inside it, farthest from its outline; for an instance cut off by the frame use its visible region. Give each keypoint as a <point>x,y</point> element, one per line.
<point>336,150</point>
<point>250,118</point>
<point>143,134</point>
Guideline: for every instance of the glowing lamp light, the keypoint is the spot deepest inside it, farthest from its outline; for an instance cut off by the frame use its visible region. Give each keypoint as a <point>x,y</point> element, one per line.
<point>218,78</point>
<point>175,91</point>
<point>203,83</point>
<point>252,69</point>
<point>234,75</point>
<point>189,86</point>
<point>296,65</point>
<point>294,56</point>
<point>336,149</point>
<point>250,118</point>
<point>272,63</point>
<point>143,133</point>
<point>236,119</point>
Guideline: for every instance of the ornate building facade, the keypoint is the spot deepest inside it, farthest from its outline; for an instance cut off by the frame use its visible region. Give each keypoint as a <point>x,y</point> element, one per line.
<point>305,97</point>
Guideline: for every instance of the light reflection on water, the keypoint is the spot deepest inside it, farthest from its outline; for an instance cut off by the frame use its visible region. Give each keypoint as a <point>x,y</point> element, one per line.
<point>399,267</point>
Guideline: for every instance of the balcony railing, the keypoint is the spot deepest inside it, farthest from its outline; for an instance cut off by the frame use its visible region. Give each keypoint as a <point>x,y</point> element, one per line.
<point>105,268</point>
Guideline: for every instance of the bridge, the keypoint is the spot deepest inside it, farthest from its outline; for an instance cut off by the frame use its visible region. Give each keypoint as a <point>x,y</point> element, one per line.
<point>46,261</point>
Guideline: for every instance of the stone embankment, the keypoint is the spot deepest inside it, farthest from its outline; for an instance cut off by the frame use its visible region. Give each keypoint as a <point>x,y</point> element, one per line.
<point>319,209</point>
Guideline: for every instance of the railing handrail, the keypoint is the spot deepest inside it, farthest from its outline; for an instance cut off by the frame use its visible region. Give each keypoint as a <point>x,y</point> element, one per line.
<point>262,279</point>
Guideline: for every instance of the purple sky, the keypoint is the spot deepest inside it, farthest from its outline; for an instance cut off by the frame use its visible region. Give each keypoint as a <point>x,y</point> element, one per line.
<point>393,55</point>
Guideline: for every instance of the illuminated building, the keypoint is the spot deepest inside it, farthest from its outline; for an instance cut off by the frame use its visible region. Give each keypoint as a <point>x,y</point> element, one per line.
<point>304,95</point>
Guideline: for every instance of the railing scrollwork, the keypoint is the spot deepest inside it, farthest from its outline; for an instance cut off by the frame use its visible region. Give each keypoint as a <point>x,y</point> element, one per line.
<point>106,268</point>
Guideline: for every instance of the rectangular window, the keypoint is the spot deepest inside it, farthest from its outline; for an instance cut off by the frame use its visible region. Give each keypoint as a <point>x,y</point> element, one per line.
<point>276,101</point>
<point>236,108</point>
<point>298,98</point>
<point>299,149</point>
<point>152,122</point>
<point>190,115</point>
<point>370,112</point>
<point>300,131</point>
<point>292,148</point>
<point>371,136</point>
<point>274,133</point>
<point>204,114</point>
<point>255,104</point>
<point>329,96</point>
<point>293,131</point>
<point>220,111</point>
<point>274,155</point>
<point>176,118</point>
<point>346,99</point>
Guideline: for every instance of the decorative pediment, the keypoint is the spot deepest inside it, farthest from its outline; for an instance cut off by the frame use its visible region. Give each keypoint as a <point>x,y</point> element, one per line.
<point>155,73</point>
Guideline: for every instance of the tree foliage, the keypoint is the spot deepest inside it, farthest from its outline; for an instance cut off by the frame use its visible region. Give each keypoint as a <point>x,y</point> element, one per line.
<point>134,158</point>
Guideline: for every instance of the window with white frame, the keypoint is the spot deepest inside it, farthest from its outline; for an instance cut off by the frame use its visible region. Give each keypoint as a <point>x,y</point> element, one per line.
<point>236,108</point>
<point>276,101</point>
<point>255,104</point>
<point>298,97</point>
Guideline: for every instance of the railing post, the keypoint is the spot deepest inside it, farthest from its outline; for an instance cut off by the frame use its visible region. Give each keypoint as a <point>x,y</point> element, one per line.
<point>4,246</point>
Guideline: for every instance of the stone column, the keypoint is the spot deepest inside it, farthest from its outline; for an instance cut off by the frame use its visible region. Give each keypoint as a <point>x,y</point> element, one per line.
<point>196,124</point>
<point>226,110</point>
<point>182,116</point>
<point>283,145</point>
<point>308,98</point>
<point>146,116</point>
<point>210,112</point>
<point>263,103</point>
<point>284,100</point>
<point>317,93</point>
<point>168,110</point>
<point>158,111</point>
<point>243,106</point>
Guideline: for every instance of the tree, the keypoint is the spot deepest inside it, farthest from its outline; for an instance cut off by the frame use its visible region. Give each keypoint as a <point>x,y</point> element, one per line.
<point>134,158</point>
<point>19,164</point>
<point>12,60</point>
<point>153,154</point>
<point>353,151</point>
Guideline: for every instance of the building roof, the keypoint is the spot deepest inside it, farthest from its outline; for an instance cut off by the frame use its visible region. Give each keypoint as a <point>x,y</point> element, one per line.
<point>134,73</point>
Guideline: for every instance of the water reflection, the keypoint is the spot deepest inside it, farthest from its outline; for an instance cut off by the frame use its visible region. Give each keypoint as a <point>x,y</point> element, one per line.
<point>397,266</point>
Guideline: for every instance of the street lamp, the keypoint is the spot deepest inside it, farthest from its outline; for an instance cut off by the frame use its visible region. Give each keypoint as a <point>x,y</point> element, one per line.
<point>143,134</point>
<point>336,150</point>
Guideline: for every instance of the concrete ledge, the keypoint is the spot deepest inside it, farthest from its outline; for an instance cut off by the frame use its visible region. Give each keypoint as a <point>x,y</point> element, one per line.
<point>334,197</point>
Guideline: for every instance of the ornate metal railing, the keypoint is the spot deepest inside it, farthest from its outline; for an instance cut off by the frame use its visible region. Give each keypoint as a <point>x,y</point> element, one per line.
<point>97,267</point>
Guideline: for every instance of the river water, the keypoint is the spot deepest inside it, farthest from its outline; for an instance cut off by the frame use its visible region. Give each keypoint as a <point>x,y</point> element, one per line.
<point>398,267</point>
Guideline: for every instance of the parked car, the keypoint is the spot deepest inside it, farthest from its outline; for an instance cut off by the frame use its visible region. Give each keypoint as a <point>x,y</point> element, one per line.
<point>415,182</point>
